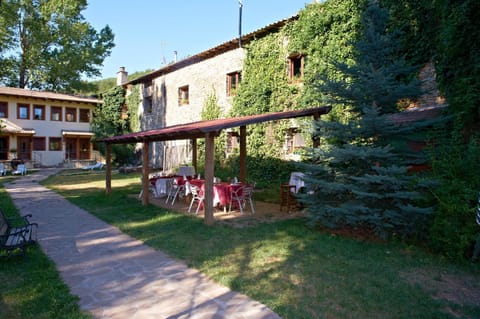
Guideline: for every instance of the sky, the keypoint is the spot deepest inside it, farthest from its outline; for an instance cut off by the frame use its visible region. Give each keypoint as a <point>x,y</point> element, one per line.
<point>147,32</point>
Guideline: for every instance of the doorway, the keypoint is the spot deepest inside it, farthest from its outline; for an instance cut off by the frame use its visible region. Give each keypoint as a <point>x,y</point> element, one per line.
<point>24,147</point>
<point>4,148</point>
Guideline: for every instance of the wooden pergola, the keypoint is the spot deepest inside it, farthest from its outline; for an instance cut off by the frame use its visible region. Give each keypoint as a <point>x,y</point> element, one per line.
<point>202,129</point>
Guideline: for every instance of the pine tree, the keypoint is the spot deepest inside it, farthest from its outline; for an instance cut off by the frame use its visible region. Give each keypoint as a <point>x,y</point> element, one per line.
<point>358,179</point>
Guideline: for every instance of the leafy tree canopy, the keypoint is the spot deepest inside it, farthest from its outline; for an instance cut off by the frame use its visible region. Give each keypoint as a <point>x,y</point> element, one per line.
<point>47,44</point>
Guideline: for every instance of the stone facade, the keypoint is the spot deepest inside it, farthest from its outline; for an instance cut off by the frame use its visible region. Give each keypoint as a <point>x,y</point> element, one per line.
<point>161,105</point>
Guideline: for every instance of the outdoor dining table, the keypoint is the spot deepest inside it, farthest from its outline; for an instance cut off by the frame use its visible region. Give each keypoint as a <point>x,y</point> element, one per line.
<point>161,184</point>
<point>222,192</point>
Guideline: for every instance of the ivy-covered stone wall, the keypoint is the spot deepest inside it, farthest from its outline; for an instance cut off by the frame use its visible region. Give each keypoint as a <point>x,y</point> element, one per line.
<point>322,34</point>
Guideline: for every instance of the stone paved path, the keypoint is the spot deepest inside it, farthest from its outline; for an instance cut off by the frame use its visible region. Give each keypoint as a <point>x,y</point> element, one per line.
<point>117,276</point>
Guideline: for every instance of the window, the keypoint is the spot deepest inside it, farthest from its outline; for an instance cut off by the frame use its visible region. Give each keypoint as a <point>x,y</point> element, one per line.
<point>148,104</point>
<point>56,113</point>
<point>148,88</point>
<point>70,114</point>
<point>23,111</point>
<point>183,95</point>
<point>233,81</point>
<point>232,141</point>
<point>295,67</point>
<point>55,144</point>
<point>39,112</point>
<point>4,110</point>
<point>84,115</point>
<point>39,144</point>
<point>293,141</point>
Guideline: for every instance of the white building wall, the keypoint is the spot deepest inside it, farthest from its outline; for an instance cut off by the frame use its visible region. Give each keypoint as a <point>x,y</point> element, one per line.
<point>46,128</point>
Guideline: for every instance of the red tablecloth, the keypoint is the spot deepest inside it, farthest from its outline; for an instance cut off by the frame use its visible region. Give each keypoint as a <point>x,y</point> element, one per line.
<point>221,191</point>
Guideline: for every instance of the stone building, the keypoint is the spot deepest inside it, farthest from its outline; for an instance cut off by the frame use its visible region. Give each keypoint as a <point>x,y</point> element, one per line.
<point>176,93</point>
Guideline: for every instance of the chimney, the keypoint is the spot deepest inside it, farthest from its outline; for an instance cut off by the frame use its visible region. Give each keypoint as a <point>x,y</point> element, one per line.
<point>122,76</point>
<point>175,53</point>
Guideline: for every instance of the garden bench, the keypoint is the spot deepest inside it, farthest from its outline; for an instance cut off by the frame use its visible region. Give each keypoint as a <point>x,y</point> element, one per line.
<point>16,234</point>
<point>476,249</point>
<point>478,210</point>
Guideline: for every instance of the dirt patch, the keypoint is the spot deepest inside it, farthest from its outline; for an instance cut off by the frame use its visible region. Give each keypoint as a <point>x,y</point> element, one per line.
<point>460,289</point>
<point>264,213</point>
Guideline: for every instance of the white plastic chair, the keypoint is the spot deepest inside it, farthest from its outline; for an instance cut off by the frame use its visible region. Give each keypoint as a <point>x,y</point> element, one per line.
<point>151,188</point>
<point>242,195</point>
<point>3,170</point>
<point>97,165</point>
<point>21,170</point>
<point>175,191</point>
<point>197,196</point>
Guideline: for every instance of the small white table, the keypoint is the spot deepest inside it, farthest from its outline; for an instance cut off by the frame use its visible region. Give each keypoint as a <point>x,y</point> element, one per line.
<point>186,171</point>
<point>163,185</point>
<point>296,178</point>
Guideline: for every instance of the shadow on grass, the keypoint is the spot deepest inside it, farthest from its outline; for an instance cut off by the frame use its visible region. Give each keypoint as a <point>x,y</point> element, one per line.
<point>296,271</point>
<point>30,286</point>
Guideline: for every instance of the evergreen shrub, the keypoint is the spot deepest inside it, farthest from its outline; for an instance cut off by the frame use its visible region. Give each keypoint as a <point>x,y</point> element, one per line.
<point>455,164</point>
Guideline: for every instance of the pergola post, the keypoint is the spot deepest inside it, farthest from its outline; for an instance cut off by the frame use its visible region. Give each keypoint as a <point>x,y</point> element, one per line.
<point>145,167</point>
<point>316,140</point>
<point>194,154</point>
<point>243,153</point>
<point>108,171</point>
<point>209,174</point>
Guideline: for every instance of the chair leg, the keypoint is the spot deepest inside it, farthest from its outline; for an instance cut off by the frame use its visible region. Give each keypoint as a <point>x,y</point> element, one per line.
<point>154,191</point>
<point>251,206</point>
<point>191,204</point>
<point>171,191</point>
<point>200,202</point>
<point>240,205</point>
<point>168,197</point>
<point>175,196</point>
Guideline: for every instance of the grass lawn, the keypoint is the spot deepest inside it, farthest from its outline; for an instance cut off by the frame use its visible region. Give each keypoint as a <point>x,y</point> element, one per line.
<point>31,287</point>
<point>296,271</point>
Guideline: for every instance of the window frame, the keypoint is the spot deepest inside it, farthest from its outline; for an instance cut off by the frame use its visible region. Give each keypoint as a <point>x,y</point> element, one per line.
<point>56,110</point>
<point>183,95</point>
<point>296,72</point>
<point>84,115</point>
<point>39,141</point>
<point>21,106</point>
<point>232,86</point>
<point>38,107</point>
<point>54,139</point>
<point>148,104</point>
<point>71,111</point>
<point>4,106</point>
